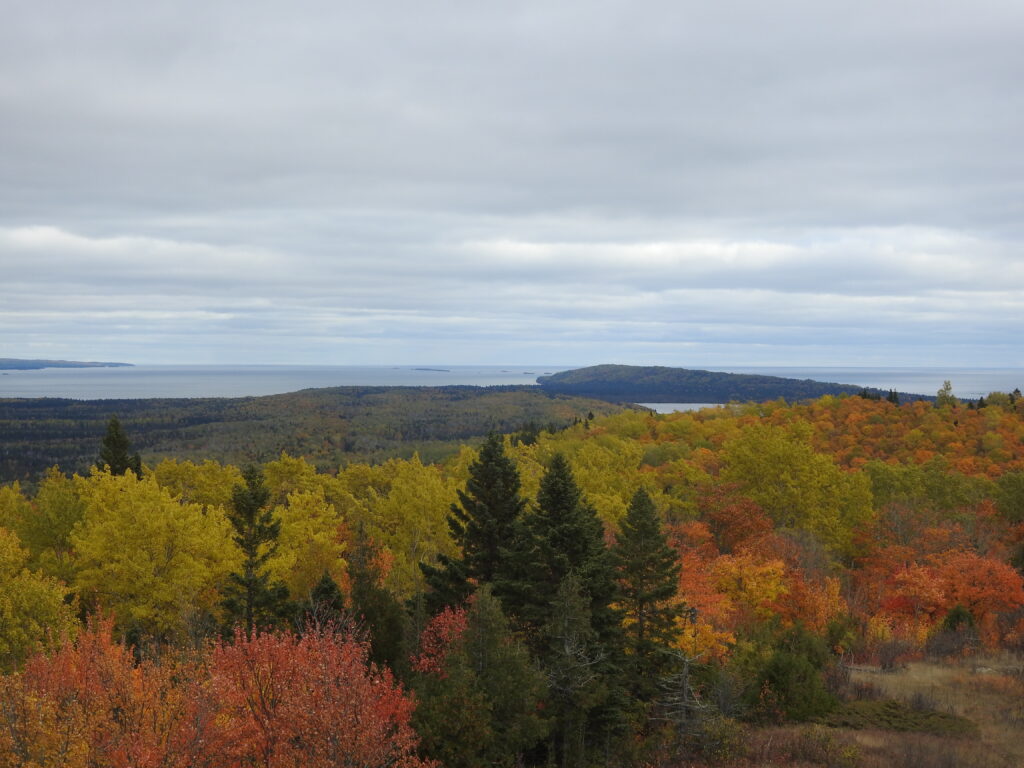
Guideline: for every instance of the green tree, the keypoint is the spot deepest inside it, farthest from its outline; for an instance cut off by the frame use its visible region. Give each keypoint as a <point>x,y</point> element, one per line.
<point>380,614</point>
<point>115,451</point>
<point>481,523</point>
<point>944,397</point>
<point>251,598</point>
<point>326,603</point>
<point>560,534</point>
<point>648,572</point>
<point>483,708</point>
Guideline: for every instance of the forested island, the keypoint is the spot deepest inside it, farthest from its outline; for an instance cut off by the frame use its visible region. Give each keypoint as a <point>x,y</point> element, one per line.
<point>17,364</point>
<point>830,583</point>
<point>660,384</point>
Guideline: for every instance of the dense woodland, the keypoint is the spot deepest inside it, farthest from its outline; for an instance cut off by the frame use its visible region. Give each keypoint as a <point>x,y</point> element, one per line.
<point>636,589</point>
<point>661,384</point>
<point>329,426</point>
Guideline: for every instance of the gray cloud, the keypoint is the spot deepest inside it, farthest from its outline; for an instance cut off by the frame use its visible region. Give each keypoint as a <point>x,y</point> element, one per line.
<point>793,182</point>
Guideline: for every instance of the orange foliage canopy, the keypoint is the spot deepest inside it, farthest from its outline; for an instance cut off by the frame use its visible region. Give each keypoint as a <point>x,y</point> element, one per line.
<point>276,701</point>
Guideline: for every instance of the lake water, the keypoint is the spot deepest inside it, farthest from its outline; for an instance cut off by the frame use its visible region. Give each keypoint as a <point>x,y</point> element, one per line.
<point>244,380</point>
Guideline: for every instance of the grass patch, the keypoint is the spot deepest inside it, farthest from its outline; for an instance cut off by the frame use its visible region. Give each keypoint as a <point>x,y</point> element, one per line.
<point>896,716</point>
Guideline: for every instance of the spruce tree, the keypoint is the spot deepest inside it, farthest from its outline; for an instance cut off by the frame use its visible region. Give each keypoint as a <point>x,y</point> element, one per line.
<point>481,523</point>
<point>648,572</point>
<point>555,568</point>
<point>115,451</point>
<point>561,534</point>
<point>252,599</point>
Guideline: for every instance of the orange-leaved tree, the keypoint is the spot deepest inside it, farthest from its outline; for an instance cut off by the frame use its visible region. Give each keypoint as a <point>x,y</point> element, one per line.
<point>309,702</point>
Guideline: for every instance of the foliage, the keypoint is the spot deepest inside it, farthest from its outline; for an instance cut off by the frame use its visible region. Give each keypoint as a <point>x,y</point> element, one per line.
<point>151,561</point>
<point>33,612</point>
<point>471,664</point>
<point>331,426</point>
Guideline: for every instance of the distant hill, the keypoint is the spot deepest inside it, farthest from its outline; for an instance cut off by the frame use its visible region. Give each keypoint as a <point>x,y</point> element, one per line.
<point>660,384</point>
<point>16,364</point>
<point>330,426</point>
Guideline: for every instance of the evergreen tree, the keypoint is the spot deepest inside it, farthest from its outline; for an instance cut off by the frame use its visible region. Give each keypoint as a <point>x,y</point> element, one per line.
<point>377,610</point>
<point>115,451</point>
<point>648,572</point>
<point>561,534</point>
<point>482,708</point>
<point>577,664</point>
<point>326,603</point>
<point>893,397</point>
<point>251,598</point>
<point>481,523</point>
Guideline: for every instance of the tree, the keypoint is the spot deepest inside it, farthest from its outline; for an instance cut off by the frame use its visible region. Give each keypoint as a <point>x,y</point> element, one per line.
<point>944,397</point>
<point>32,607</point>
<point>251,597</point>
<point>478,693</point>
<point>313,701</point>
<point>115,451</point>
<point>648,574</point>
<point>378,611</point>
<point>151,561</point>
<point>326,604</point>
<point>481,523</point>
<point>560,534</point>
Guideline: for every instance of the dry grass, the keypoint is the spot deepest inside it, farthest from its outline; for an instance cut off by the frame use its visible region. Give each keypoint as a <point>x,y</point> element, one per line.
<point>987,690</point>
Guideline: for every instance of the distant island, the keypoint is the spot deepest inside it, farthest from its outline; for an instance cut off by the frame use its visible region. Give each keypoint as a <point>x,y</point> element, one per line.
<point>16,364</point>
<point>661,384</point>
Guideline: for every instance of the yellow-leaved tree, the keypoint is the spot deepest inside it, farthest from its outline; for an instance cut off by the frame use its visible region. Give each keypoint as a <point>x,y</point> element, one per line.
<point>33,612</point>
<point>208,483</point>
<point>797,487</point>
<point>151,561</point>
<point>311,543</point>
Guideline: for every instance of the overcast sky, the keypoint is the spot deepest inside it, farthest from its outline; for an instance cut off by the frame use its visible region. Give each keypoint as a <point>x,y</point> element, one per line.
<point>677,183</point>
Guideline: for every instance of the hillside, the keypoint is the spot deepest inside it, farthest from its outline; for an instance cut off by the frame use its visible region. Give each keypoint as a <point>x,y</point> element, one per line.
<point>331,426</point>
<point>653,384</point>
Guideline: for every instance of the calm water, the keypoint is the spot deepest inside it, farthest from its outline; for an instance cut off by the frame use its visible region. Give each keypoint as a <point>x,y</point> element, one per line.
<point>242,380</point>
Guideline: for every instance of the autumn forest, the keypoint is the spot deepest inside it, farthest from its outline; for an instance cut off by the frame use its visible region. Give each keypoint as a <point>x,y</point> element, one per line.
<point>735,586</point>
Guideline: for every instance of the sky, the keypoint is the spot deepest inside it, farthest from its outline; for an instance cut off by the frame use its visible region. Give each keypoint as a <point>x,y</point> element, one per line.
<point>564,183</point>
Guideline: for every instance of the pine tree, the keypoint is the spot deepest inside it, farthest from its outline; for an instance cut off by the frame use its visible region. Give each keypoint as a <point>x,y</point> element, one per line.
<point>481,523</point>
<point>251,598</point>
<point>648,572</point>
<point>115,451</point>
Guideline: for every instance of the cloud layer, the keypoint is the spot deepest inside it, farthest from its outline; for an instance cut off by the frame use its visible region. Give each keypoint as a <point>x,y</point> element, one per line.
<point>683,183</point>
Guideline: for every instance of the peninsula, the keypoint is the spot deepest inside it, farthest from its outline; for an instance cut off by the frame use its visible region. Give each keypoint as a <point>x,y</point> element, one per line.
<point>17,364</point>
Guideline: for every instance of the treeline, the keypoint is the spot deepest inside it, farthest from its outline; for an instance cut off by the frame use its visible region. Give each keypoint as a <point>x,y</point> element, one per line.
<point>639,589</point>
<point>330,426</point>
<point>660,384</point>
